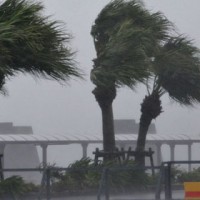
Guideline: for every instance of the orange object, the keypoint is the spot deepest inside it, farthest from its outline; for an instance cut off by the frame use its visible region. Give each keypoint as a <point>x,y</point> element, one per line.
<point>192,190</point>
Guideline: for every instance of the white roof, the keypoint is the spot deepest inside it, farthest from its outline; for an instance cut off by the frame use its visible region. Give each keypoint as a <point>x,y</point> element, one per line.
<point>76,138</point>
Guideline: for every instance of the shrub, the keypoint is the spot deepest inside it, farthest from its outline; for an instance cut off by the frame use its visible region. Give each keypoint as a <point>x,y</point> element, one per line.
<point>84,175</point>
<point>184,176</point>
<point>15,186</point>
<point>80,175</point>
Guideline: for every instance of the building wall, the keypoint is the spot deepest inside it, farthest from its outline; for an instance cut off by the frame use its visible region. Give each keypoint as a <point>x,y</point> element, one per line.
<point>22,156</point>
<point>19,155</point>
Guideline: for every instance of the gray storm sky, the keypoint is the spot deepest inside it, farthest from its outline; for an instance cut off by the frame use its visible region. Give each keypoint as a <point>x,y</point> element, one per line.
<point>53,108</point>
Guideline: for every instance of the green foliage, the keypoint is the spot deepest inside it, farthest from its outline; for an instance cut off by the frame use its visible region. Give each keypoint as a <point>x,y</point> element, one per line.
<point>79,176</point>
<point>126,36</point>
<point>128,176</point>
<point>83,176</point>
<point>177,67</point>
<point>31,42</point>
<point>192,176</point>
<point>15,186</point>
<point>179,176</point>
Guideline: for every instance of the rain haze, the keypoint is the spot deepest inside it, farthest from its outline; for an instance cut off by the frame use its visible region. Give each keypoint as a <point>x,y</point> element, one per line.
<point>54,108</point>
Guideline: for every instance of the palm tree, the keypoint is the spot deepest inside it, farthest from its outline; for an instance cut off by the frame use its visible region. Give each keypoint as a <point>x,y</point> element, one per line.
<point>176,71</point>
<point>126,35</point>
<point>32,43</point>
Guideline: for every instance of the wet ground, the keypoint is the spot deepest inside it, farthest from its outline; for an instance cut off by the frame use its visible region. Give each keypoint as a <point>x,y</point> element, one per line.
<point>178,195</point>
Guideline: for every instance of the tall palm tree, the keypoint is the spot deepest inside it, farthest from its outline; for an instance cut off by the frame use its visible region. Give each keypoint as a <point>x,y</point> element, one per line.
<point>32,43</point>
<point>126,35</point>
<point>176,71</point>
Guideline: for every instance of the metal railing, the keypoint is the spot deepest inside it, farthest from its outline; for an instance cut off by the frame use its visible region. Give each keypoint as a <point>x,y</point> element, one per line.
<point>166,178</point>
<point>163,180</point>
<point>46,185</point>
<point>104,188</point>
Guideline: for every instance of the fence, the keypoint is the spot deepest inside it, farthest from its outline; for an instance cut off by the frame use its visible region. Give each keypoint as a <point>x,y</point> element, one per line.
<point>109,180</point>
<point>166,178</point>
<point>47,182</point>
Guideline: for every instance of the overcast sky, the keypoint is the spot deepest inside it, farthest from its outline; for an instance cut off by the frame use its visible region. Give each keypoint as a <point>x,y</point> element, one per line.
<point>52,108</point>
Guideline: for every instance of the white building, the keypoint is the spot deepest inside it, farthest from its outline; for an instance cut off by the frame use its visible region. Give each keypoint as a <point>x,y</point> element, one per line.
<point>19,155</point>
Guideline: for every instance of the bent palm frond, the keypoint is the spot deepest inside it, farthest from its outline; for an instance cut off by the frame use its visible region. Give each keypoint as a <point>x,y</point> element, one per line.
<point>126,36</point>
<point>32,43</point>
<point>178,69</point>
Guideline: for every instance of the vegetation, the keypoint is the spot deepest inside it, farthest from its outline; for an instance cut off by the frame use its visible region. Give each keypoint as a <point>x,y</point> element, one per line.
<point>84,176</point>
<point>132,46</point>
<point>15,186</point>
<point>126,35</point>
<point>32,43</point>
<point>175,69</point>
<point>81,175</point>
<point>182,176</point>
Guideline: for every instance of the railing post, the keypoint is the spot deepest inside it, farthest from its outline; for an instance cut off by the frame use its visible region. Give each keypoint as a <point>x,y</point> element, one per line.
<point>107,189</point>
<point>167,172</point>
<point>48,189</point>
<point>159,184</point>
<point>151,161</point>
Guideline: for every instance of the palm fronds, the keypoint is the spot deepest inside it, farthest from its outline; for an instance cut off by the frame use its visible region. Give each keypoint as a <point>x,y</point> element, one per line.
<point>33,43</point>
<point>178,69</point>
<point>126,36</point>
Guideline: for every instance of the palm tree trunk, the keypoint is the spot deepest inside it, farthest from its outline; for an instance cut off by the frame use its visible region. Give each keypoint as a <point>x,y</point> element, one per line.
<point>105,97</point>
<point>108,128</point>
<point>150,108</point>
<point>145,122</point>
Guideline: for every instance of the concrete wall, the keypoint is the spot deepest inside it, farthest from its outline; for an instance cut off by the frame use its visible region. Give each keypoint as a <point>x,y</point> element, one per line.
<point>22,156</point>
